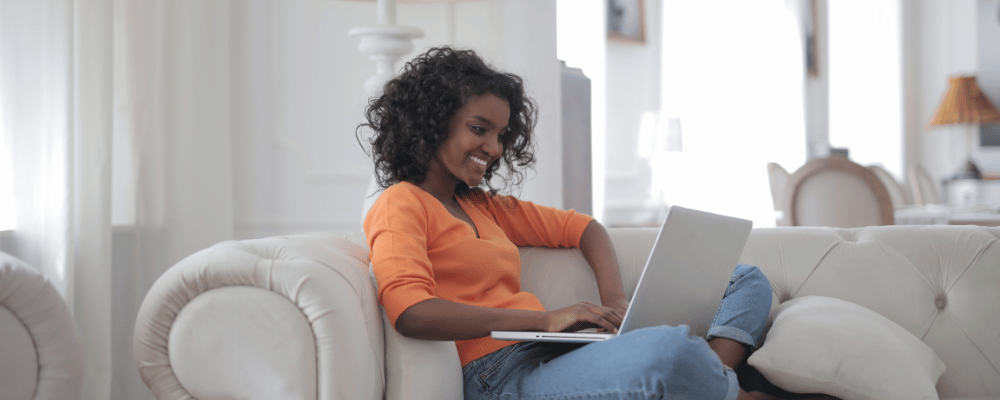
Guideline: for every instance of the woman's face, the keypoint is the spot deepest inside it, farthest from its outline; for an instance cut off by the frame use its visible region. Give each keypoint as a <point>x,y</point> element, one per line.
<point>473,141</point>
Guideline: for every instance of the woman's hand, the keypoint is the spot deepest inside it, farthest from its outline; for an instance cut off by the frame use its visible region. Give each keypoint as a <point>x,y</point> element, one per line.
<point>581,316</point>
<point>619,304</point>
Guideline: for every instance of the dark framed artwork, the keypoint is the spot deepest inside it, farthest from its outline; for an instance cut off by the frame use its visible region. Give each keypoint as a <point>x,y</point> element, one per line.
<point>809,28</point>
<point>989,82</point>
<point>989,135</point>
<point>988,72</point>
<point>626,21</point>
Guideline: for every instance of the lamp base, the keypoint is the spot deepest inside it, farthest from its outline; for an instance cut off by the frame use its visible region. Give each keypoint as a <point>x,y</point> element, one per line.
<point>969,170</point>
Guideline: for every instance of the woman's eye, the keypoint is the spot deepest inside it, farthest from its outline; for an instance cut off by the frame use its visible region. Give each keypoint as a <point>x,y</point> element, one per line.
<point>478,129</point>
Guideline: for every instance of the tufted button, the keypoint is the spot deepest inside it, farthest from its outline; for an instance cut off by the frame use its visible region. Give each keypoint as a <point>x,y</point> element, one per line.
<point>941,302</point>
<point>848,236</point>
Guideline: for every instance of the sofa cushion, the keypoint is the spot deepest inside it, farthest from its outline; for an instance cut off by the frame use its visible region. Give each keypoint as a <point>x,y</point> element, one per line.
<point>939,282</point>
<point>821,344</point>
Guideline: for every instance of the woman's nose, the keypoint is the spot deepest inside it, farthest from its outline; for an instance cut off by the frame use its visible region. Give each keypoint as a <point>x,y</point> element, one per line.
<point>493,146</point>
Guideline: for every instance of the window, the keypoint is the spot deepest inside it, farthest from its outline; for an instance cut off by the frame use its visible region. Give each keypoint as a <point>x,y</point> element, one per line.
<point>865,81</point>
<point>733,74</point>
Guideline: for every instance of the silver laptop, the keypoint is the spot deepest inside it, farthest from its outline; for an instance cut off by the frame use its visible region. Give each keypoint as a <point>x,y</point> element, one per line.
<point>693,259</point>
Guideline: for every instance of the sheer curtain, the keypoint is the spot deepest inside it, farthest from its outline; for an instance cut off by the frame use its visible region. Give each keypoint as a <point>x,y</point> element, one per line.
<point>174,173</point>
<point>55,90</point>
<point>115,110</point>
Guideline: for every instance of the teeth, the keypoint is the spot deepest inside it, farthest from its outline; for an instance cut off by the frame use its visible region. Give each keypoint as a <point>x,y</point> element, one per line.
<point>478,160</point>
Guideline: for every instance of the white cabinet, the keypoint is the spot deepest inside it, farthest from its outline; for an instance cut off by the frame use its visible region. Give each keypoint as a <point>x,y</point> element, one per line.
<point>973,192</point>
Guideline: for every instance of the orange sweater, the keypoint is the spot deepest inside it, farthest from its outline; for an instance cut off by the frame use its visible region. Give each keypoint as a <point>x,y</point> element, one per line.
<point>420,251</point>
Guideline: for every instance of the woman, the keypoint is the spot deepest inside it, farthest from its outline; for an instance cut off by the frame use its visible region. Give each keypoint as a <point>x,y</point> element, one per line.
<point>444,252</point>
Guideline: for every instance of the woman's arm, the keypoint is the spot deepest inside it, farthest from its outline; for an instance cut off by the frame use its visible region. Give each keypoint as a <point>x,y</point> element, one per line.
<point>439,319</point>
<point>600,254</point>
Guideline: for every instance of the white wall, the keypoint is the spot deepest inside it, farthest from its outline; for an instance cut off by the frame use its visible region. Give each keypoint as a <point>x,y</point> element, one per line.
<point>989,71</point>
<point>633,89</point>
<point>297,166</point>
<point>939,41</point>
<point>816,88</point>
<point>988,39</point>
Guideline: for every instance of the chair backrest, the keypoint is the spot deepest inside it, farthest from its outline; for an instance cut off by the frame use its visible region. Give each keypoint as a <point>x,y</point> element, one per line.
<point>836,192</point>
<point>897,192</point>
<point>924,189</point>
<point>777,176</point>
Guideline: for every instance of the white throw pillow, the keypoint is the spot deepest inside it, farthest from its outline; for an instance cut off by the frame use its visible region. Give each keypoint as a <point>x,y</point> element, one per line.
<point>826,345</point>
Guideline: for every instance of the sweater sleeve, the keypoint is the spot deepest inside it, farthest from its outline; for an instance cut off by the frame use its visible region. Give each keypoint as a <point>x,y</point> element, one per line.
<point>529,224</point>
<point>396,229</point>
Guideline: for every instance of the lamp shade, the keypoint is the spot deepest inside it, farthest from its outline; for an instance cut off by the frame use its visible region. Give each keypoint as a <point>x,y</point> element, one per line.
<point>965,103</point>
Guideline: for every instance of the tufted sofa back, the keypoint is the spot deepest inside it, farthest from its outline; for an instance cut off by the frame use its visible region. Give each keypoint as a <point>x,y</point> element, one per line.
<point>941,283</point>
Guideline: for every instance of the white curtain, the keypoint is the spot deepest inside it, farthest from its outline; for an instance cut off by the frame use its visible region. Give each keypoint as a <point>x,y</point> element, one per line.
<point>55,79</point>
<point>115,110</point>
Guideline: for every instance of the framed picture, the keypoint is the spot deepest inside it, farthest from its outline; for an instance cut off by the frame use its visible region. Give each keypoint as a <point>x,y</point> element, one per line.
<point>989,134</point>
<point>811,58</point>
<point>626,21</point>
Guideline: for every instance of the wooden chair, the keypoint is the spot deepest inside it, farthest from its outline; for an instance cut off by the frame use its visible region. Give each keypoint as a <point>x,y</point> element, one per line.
<point>836,192</point>
<point>777,176</point>
<point>897,192</point>
<point>924,189</point>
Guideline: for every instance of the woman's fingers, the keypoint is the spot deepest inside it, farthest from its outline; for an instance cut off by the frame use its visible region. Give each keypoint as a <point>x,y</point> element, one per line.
<point>607,312</point>
<point>584,315</point>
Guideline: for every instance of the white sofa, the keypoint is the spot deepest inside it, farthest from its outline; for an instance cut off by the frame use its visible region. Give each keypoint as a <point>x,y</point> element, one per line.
<point>296,317</point>
<point>40,355</point>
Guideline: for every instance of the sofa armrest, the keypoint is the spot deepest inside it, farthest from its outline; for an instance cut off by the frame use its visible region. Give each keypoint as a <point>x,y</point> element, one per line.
<point>40,354</point>
<point>420,369</point>
<point>280,317</point>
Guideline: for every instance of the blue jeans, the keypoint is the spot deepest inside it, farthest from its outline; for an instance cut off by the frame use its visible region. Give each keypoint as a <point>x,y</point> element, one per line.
<point>661,362</point>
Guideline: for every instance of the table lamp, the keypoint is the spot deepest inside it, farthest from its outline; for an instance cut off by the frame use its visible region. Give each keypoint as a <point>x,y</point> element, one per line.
<point>965,103</point>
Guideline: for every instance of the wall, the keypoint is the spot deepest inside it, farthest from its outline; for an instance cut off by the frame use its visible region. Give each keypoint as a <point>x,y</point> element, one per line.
<point>988,75</point>
<point>816,88</point>
<point>297,164</point>
<point>939,41</point>
<point>633,89</point>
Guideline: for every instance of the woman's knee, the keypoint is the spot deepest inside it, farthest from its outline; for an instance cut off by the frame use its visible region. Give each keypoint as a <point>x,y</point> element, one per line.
<point>677,349</point>
<point>750,273</point>
<point>751,276</point>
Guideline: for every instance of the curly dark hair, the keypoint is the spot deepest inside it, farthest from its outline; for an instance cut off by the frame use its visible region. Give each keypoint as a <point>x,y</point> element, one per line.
<point>411,118</point>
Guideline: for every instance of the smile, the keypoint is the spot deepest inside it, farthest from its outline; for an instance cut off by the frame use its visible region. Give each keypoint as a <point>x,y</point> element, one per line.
<point>478,160</point>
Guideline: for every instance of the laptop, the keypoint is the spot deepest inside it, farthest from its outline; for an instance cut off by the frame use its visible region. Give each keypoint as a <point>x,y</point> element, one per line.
<point>693,258</point>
